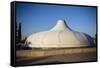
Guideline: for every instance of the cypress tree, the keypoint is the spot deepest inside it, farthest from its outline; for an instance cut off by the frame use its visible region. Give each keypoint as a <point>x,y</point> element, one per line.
<point>16,32</point>
<point>19,32</point>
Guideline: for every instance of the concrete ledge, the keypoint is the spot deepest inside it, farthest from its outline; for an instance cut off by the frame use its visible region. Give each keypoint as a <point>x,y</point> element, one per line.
<point>51,52</point>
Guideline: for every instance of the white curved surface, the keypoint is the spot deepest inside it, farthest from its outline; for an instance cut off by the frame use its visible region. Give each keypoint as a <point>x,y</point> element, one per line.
<point>59,36</point>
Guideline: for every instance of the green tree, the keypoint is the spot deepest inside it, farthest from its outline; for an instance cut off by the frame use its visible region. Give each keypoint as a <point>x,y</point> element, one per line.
<point>19,32</point>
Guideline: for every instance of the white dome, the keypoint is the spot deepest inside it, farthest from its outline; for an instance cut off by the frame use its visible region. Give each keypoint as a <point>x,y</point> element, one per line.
<point>58,37</point>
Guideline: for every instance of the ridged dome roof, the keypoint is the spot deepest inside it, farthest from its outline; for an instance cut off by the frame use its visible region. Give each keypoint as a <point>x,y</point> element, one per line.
<point>58,37</point>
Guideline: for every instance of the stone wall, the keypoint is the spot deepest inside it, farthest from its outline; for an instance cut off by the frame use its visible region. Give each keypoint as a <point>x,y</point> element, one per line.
<point>50,52</point>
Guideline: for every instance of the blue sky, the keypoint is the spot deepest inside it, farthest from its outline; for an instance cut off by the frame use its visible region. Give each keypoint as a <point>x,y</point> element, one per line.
<point>39,17</point>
